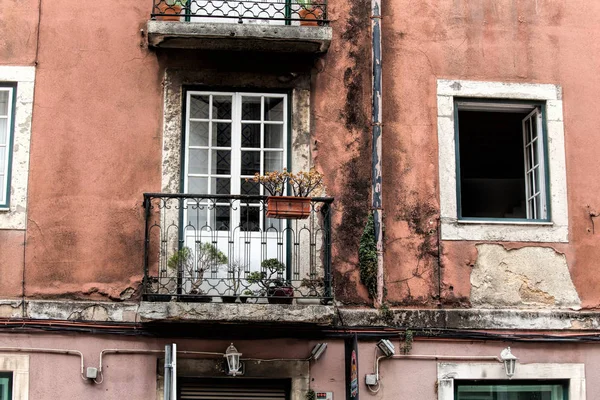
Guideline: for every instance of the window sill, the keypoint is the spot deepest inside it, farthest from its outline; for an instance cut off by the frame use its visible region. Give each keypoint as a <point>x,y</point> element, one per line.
<point>504,231</point>
<point>502,222</point>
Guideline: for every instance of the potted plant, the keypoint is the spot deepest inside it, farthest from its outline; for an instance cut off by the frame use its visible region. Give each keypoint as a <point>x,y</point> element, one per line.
<point>302,185</point>
<point>191,267</point>
<point>310,13</point>
<point>272,285</point>
<point>235,272</point>
<point>314,285</point>
<point>170,10</point>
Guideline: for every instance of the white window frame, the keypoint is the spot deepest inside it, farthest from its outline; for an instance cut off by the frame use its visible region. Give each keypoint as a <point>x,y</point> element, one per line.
<point>448,372</point>
<point>13,213</point>
<point>19,366</point>
<point>453,228</point>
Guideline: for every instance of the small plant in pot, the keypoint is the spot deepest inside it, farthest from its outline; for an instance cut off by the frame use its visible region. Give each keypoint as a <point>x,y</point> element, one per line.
<point>234,272</point>
<point>191,268</point>
<point>302,185</point>
<point>314,287</point>
<point>271,283</point>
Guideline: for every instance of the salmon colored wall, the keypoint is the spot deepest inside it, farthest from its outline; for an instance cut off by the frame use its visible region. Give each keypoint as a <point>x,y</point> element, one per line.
<point>19,24</point>
<point>546,41</point>
<point>96,147</point>
<point>11,262</point>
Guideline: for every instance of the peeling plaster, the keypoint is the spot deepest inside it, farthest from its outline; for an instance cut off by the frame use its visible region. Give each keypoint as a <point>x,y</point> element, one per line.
<point>526,277</point>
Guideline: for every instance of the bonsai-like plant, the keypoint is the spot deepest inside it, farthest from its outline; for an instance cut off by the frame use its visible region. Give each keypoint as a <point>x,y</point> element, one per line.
<point>193,265</point>
<point>235,271</point>
<point>302,183</point>
<point>269,279</point>
<point>313,284</point>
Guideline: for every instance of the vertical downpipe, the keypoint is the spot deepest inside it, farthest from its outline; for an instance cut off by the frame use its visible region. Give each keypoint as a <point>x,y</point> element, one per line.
<point>376,122</point>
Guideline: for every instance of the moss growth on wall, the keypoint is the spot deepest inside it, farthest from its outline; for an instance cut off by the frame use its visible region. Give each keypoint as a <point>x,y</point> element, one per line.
<point>367,258</point>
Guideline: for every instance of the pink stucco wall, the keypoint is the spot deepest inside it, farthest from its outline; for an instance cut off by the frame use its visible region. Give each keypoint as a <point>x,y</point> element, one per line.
<point>134,376</point>
<point>520,41</point>
<point>97,136</point>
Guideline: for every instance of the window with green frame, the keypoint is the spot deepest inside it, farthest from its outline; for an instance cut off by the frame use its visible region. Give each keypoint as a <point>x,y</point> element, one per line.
<point>7,95</point>
<point>6,385</point>
<point>510,391</point>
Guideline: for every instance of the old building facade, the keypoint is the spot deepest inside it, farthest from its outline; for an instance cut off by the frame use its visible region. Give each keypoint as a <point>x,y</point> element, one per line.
<point>129,221</point>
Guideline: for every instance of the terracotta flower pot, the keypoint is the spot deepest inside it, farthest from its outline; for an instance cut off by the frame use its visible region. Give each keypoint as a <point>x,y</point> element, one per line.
<point>310,15</point>
<point>289,207</point>
<point>168,13</point>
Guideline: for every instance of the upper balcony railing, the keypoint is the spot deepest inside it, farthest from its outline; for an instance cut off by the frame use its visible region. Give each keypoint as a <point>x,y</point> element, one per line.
<point>224,248</point>
<point>272,12</point>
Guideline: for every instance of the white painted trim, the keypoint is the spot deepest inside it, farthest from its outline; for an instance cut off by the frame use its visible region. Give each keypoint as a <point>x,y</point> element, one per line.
<point>448,372</point>
<point>15,216</point>
<point>453,229</point>
<point>19,366</point>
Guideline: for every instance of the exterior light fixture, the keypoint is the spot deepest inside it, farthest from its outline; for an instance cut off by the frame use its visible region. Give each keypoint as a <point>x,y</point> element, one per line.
<point>233,361</point>
<point>386,347</point>
<point>510,362</point>
<point>318,350</point>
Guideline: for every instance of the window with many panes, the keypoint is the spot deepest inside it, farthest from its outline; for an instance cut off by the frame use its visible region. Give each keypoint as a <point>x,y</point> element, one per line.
<point>6,122</point>
<point>228,138</point>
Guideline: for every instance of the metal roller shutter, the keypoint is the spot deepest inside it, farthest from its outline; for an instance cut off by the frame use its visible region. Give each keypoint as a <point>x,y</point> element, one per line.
<point>228,389</point>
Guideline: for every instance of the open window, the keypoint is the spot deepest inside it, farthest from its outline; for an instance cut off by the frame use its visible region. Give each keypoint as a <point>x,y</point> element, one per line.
<point>501,160</point>
<point>502,169</point>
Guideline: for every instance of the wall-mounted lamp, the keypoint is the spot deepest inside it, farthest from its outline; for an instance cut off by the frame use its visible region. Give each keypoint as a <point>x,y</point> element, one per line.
<point>318,350</point>
<point>386,347</point>
<point>510,362</point>
<point>233,361</point>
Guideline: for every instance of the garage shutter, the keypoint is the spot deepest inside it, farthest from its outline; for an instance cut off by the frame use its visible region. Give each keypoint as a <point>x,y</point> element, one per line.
<point>225,389</point>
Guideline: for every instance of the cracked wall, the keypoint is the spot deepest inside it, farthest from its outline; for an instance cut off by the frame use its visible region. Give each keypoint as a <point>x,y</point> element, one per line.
<point>529,277</point>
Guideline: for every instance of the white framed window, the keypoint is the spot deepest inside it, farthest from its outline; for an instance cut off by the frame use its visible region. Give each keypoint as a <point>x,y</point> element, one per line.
<point>14,377</point>
<point>484,381</point>
<point>16,109</point>
<point>501,162</point>
<point>228,138</point>
<point>7,98</point>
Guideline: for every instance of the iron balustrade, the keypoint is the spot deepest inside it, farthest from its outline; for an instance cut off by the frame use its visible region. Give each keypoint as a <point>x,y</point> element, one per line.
<point>206,248</point>
<point>274,12</point>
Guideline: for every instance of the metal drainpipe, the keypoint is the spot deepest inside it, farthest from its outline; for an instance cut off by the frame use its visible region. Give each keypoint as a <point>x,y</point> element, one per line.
<point>376,180</point>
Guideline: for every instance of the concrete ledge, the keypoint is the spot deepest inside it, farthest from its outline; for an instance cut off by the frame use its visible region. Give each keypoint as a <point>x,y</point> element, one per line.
<point>239,37</point>
<point>246,313</point>
<point>473,319</point>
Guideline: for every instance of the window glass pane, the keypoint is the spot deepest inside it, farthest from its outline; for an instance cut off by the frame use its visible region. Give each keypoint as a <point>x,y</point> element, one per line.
<point>221,185</point>
<point>250,162</point>
<point>509,392</point>
<point>221,162</point>
<point>251,135</point>
<point>5,385</point>
<point>273,109</point>
<point>274,136</point>
<point>221,215</point>
<point>221,107</point>
<point>197,185</point>
<point>196,216</point>
<point>273,161</point>
<point>198,161</point>
<point>2,161</point>
<point>4,102</point>
<point>273,224</point>
<point>533,123</point>
<point>251,108</point>
<point>199,106</point>
<point>198,133</point>
<point>250,188</point>
<point>249,218</point>
<point>2,189</point>
<point>221,134</point>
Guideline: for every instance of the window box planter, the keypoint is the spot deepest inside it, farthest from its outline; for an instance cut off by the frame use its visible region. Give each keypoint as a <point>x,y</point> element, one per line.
<point>288,207</point>
<point>280,295</point>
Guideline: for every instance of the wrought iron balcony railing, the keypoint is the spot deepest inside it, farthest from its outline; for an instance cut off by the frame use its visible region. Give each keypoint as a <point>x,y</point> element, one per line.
<point>272,12</point>
<point>224,248</point>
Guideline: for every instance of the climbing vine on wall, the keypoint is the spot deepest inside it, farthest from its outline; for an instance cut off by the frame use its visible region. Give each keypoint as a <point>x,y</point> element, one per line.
<point>367,258</point>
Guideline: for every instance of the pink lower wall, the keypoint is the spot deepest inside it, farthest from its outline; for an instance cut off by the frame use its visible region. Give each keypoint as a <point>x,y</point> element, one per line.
<point>134,376</point>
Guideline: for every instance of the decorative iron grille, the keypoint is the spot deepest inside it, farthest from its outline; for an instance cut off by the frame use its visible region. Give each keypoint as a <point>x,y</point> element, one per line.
<point>273,12</point>
<point>225,248</point>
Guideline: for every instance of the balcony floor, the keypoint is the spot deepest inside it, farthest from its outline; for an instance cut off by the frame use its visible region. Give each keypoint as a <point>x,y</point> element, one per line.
<point>239,37</point>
